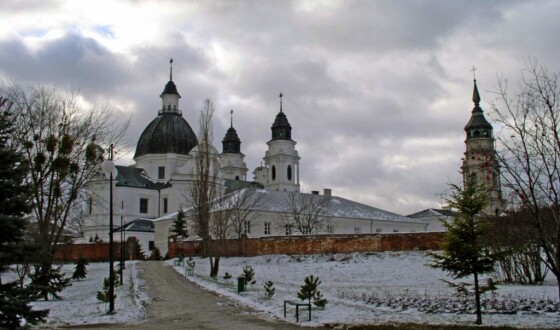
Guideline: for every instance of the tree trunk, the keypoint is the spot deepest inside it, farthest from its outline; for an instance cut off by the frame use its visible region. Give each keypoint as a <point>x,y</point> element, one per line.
<point>214,266</point>
<point>477,298</point>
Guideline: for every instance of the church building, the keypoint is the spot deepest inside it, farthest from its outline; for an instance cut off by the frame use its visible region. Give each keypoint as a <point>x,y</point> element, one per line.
<point>165,169</point>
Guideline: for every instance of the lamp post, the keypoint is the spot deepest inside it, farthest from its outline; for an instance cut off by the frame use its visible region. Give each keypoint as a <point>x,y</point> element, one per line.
<point>109,169</point>
<point>122,244</point>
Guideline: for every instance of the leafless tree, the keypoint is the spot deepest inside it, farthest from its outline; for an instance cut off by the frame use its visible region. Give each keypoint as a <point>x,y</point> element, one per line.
<point>244,206</point>
<point>529,153</point>
<point>56,135</point>
<point>206,186</point>
<point>306,213</point>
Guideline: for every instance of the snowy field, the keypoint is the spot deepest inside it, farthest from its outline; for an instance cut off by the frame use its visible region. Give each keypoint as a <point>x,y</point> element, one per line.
<point>79,304</point>
<point>361,289</point>
<point>378,288</point>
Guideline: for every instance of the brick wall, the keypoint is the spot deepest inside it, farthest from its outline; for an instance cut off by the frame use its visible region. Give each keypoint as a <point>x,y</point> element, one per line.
<point>95,251</point>
<point>315,244</point>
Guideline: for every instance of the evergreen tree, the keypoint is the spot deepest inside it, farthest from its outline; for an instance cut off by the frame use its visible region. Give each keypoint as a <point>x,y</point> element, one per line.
<point>249,274</point>
<point>14,204</point>
<point>269,289</point>
<point>80,269</point>
<point>464,253</point>
<point>180,224</point>
<point>309,288</point>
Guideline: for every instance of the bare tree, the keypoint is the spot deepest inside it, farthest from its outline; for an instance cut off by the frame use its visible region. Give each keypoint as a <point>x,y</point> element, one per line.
<point>244,206</point>
<point>56,136</point>
<point>206,186</point>
<point>306,213</point>
<point>529,154</point>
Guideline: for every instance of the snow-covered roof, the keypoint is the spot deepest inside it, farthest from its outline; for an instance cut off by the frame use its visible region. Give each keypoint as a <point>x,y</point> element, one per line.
<point>138,225</point>
<point>137,178</point>
<point>432,213</point>
<point>278,202</point>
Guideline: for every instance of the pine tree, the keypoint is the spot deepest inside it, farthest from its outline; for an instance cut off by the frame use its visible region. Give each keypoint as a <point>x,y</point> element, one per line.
<point>14,204</point>
<point>464,253</point>
<point>309,288</point>
<point>180,224</point>
<point>269,289</point>
<point>80,269</point>
<point>249,274</point>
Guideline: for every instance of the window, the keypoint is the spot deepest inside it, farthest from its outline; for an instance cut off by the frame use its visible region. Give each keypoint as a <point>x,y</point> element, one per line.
<point>143,205</point>
<point>330,230</point>
<point>237,177</point>
<point>267,228</point>
<point>161,172</point>
<point>246,227</point>
<point>151,245</point>
<point>288,230</point>
<point>289,173</point>
<point>165,205</point>
<point>273,172</point>
<point>378,230</point>
<point>357,230</point>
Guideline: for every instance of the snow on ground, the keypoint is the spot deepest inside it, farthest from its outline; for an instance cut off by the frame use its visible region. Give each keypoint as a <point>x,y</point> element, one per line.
<point>79,304</point>
<point>363,288</point>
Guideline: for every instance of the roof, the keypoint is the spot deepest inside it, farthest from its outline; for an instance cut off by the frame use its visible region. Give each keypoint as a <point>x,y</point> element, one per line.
<point>231,144</point>
<point>170,88</point>
<point>138,225</point>
<point>281,128</point>
<point>234,185</point>
<point>169,132</point>
<point>133,177</point>
<point>477,118</point>
<point>277,201</point>
<point>432,213</point>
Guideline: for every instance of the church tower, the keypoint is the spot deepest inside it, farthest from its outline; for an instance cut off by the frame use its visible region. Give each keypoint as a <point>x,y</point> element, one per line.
<point>480,165</point>
<point>281,159</point>
<point>232,161</point>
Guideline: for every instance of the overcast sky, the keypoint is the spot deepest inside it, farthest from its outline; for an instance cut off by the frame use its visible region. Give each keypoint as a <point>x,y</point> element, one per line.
<point>377,92</point>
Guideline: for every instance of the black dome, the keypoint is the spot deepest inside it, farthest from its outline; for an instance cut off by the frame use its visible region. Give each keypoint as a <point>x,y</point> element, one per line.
<point>281,128</point>
<point>167,133</point>
<point>231,144</point>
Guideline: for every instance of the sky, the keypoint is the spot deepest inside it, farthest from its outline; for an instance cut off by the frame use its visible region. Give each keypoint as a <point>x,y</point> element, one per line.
<point>377,92</point>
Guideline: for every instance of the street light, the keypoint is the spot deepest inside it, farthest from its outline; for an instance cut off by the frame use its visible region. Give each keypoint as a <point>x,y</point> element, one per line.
<point>110,170</point>
<point>122,244</point>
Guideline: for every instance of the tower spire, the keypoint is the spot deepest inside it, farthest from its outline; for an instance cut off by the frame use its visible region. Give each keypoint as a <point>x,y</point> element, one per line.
<point>281,101</point>
<point>171,69</point>
<point>476,96</point>
<point>231,113</point>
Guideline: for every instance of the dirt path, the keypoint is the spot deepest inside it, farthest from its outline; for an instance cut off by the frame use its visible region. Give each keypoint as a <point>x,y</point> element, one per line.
<point>176,303</point>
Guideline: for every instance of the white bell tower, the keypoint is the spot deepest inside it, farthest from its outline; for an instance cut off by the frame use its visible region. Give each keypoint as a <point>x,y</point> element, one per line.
<point>281,160</point>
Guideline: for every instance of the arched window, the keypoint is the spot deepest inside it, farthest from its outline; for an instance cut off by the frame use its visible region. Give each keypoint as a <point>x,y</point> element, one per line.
<point>237,177</point>
<point>289,173</point>
<point>273,172</point>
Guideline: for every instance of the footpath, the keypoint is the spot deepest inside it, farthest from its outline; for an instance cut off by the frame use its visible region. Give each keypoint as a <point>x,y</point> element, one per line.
<point>176,303</point>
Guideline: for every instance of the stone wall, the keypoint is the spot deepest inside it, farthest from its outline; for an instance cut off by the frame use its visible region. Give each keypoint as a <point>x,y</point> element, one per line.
<point>313,244</point>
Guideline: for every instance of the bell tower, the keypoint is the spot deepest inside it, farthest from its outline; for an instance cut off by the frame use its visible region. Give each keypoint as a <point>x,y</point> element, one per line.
<point>281,160</point>
<point>232,161</point>
<point>480,165</point>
